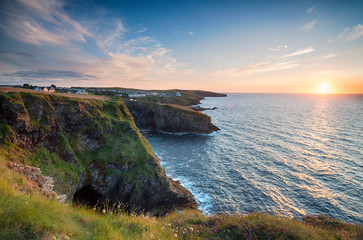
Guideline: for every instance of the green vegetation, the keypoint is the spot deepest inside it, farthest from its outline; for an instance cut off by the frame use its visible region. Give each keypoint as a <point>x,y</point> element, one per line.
<point>5,129</point>
<point>52,165</point>
<point>108,124</point>
<point>186,99</point>
<point>26,214</point>
<point>30,216</point>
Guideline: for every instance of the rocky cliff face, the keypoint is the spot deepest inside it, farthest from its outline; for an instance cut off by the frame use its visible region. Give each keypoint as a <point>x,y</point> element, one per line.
<point>169,118</point>
<point>91,148</point>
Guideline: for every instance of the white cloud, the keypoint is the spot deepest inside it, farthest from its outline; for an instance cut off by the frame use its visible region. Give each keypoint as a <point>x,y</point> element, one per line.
<point>309,25</point>
<point>259,67</point>
<point>309,10</point>
<point>142,30</point>
<point>352,34</point>
<point>110,39</point>
<point>299,52</point>
<point>62,44</point>
<point>330,55</point>
<point>28,31</point>
<point>28,18</point>
<point>190,33</point>
<point>278,48</point>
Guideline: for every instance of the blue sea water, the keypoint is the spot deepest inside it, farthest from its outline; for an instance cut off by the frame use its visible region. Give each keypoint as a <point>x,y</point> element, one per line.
<point>285,154</point>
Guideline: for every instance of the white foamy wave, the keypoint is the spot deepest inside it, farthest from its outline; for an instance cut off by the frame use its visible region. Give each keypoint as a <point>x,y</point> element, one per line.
<point>287,154</point>
<point>204,200</point>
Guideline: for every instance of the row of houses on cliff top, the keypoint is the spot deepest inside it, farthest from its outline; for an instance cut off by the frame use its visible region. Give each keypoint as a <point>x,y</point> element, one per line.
<point>45,89</point>
<point>68,90</point>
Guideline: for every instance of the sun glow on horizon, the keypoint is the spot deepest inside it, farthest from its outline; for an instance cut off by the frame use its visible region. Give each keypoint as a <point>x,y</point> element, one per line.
<point>324,88</point>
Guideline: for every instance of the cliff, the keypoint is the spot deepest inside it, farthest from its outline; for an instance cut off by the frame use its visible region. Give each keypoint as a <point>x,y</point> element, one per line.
<point>169,118</point>
<point>203,94</point>
<point>91,148</point>
<point>186,97</point>
<point>81,143</point>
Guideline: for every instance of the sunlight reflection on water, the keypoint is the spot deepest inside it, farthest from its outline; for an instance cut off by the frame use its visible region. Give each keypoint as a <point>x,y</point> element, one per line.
<point>285,154</point>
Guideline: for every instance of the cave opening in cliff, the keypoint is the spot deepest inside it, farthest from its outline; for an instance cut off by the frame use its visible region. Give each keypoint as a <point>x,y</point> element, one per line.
<point>87,195</point>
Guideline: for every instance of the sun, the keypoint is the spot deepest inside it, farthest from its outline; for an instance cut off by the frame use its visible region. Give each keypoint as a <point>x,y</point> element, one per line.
<point>324,88</point>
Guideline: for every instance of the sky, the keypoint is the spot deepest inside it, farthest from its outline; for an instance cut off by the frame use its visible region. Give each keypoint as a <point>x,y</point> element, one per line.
<point>217,45</point>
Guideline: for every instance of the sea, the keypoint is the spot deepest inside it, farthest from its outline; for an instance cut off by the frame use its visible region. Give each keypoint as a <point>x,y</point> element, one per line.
<point>284,154</point>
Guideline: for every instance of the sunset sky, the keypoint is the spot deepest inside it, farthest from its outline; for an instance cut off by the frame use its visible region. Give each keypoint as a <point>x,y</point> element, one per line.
<point>223,46</point>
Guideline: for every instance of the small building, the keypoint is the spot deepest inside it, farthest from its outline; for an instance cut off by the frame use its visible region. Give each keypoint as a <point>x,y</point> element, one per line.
<point>46,89</point>
<point>82,91</point>
<point>136,95</point>
<point>178,94</point>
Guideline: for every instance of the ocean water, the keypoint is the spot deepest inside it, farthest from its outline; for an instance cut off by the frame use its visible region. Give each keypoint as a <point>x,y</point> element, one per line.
<point>284,154</point>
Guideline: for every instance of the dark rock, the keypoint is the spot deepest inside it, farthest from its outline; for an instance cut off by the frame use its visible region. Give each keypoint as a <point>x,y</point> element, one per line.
<point>200,109</point>
<point>163,117</point>
<point>75,129</point>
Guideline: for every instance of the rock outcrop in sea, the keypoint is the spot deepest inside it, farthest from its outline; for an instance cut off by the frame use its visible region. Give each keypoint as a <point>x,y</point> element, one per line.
<point>169,118</point>
<point>91,148</point>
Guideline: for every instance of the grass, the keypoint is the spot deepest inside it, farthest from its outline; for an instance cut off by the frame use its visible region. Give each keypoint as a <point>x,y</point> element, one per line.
<point>119,140</point>
<point>65,174</point>
<point>5,129</point>
<point>30,216</point>
<point>186,99</point>
<point>26,214</point>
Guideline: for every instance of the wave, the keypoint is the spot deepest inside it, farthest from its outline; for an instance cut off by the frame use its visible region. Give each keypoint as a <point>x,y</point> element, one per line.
<point>284,154</point>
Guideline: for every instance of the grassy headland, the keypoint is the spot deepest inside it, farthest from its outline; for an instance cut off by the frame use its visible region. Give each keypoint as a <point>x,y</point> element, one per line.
<point>89,147</point>
<point>70,140</point>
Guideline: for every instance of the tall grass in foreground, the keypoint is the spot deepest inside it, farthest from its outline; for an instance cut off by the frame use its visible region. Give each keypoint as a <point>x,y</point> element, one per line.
<point>30,216</point>
<point>35,217</point>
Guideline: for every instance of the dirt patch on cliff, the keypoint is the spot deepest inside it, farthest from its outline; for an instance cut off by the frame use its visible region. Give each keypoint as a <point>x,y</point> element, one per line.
<point>71,95</point>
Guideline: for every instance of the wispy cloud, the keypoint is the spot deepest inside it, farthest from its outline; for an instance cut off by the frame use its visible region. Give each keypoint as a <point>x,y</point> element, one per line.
<point>270,63</point>
<point>41,21</point>
<point>309,10</point>
<point>49,74</point>
<point>109,39</point>
<point>65,48</point>
<point>330,55</point>
<point>10,54</point>
<point>189,33</point>
<point>142,30</point>
<point>351,34</point>
<point>259,67</point>
<point>278,48</point>
<point>309,25</point>
<point>299,52</point>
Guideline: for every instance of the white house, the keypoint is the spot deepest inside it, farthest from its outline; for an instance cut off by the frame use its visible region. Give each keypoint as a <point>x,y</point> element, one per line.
<point>82,91</point>
<point>136,95</point>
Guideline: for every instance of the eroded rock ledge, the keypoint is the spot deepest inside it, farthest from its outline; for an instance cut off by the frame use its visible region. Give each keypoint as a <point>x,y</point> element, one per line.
<point>169,118</point>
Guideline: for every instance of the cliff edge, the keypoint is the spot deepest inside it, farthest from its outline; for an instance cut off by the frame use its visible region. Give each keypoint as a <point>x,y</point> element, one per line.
<point>169,117</point>
<point>91,148</point>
